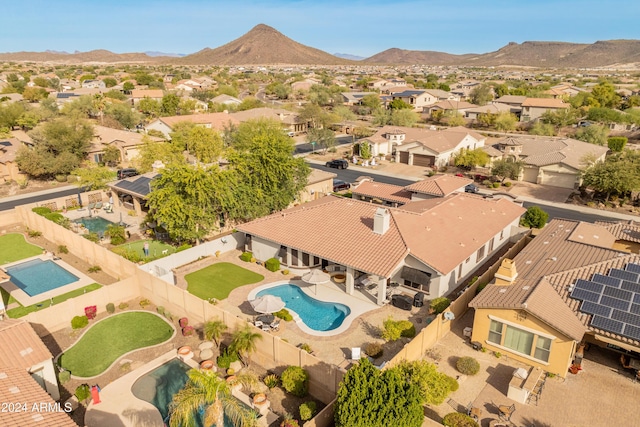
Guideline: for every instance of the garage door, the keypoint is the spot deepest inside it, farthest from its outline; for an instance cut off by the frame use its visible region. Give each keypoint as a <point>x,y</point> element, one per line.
<point>530,175</point>
<point>423,160</point>
<point>564,180</point>
<point>404,157</point>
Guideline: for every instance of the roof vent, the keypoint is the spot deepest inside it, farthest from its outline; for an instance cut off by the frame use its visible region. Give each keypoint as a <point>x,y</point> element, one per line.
<point>381,220</point>
<point>26,351</point>
<point>502,291</point>
<point>14,389</point>
<point>525,288</point>
<point>37,417</point>
<point>3,375</point>
<point>545,243</point>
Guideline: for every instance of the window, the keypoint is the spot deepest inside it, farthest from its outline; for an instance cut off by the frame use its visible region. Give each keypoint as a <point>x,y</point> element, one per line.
<point>491,245</point>
<point>459,271</point>
<point>518,340</point>
<point>467,260</point>
<point>480,254</point>
<point>543,347</point>
<point>502,235</point>
<point>495,332</point>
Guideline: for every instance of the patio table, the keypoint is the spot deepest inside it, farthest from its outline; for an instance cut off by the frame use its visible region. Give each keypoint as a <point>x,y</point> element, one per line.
<point>266,318</point>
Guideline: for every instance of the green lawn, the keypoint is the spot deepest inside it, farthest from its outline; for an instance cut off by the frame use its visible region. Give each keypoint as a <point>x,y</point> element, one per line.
<point>217,280</point>
<point>14,247</point>
<point>16,312</point>
<point>133,251</point>
<point>106,341</point>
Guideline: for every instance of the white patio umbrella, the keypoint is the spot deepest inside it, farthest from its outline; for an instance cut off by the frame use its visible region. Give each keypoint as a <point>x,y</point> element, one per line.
<point>316,277</point>
<point>267,304</point>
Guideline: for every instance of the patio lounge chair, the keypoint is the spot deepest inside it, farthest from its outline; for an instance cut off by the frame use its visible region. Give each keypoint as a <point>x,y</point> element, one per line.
<point>275,325</point>
<point>356,353</point>
<point>258,323</point>
<point>265,328</point>
<point>506,412</point>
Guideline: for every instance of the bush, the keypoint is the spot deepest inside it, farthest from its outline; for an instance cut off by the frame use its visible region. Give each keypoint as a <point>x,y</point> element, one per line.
<point>160,310</point>
<point>272,264</point>
<point>183,247</point>
<point>231,371</point>
<point>34,233</point>
<point>116,233</point>
<point>92,237</point>
<point>306,347</point>
<point>480,287</point>
<point>392,330</point>
<point>289,421</point>
<point>79,322</point>
<point>407,328</point>
<point>487,182</point>
<point>144,302</point>
<point>295,380</point>
<point>246,256</point>
<point>438,305</point>
<point>41,210</point>
<point>271,380</point>
<point>61,178</point>
<point>496,185</point>
<point>83,392</point>
<point>226,359</point>
<point>307,410</point>
<point>285,271</point>
<point>131,255</point>
<point>63,249</point>
<point>457,419</point>
<point>373,349</point>
<point>534,217</point>
<point>94,269</point>
<point>123,305</point>
<point>468,365</point>
<point>183,322</point>
<point>452,383</point>
<point>617,143</point>
<point>111,308</point>
<point>58,218</point>
<point>168,315</point>
<point>284,315</point>
<point>507,184</point>
<point>64,377</point>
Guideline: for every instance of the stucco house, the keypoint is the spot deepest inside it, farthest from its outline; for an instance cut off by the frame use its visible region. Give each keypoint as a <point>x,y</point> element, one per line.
<point>215,121</point>
<point>431,245</point>
<point>538,309</point>
<point>93,84</point>
<point>534,108</point>
<point>226,100</point>
<point>418,99</point>
<point>127,142</point>
<point>9,170</point>
<point>138,95</point>
<point>447,106</point>
<point>288,119</point>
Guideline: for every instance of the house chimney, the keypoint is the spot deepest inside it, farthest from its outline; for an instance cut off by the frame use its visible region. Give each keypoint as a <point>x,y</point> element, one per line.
<point>381,220</point>
<point>507,273</point>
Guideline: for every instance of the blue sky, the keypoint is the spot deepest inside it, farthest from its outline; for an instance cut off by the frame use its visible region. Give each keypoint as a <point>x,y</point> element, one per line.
<point>347,26</point>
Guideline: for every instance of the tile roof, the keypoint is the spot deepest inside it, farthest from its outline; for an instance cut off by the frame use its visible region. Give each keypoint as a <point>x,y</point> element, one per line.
<point>8,149</point>
<point>439,185</point>
<point>215,120</point>
<point>379,190</point>
<point>545,159</point>
<point>511,99</point>
<point>453,105</point>
<point>21,346</point>
<point>592,234</point>
<point>285,116</point>
<point>545,103</point>
<point>438,141</point>
<point>623,230</point>
<point>318,175</point>
<point>494,108</point>
<point>17,387</point>
<point>146,93</point>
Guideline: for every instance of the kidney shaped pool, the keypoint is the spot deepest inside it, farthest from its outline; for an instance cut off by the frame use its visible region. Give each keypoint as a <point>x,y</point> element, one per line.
<point>317,315</point>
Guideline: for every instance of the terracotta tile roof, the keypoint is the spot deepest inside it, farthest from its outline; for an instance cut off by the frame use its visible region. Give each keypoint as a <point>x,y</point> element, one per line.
<point>452,105</point>
<point>592,234</point>
<point>147,93</point>
<point>438,141</point>
<point>386,192</point>
<point>17,387</point>
<point>318,175</point>
<point>215,120</point>
<point>279,114</point>
<point>105,135</point>
<point>544,103</point>
<point>623,230</point>
<point>545,159</point>
<point>8,149</point>
<point>439,185</point>
<point>511,99</point>
<point>494,108</point>
<point>21,347</point>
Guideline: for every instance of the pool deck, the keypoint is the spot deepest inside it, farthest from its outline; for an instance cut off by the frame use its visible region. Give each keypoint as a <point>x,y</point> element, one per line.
<point>23,298</point>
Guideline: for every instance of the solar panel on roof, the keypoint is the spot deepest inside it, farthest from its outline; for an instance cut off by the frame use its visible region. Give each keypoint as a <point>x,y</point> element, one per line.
<point>636,298</point>
<point>588,286</point>
<point>581,294</point>
<point>635,308</point>
<point>617,293</point>
<point>630,286</point>
<point>632,332</point>
<point>593,308</point>
<point>634,268</point>
<point>626,317</point>
<point>609,281</point>
<point>607,324</point>
<point>614,303</point>
<point>624,275</point>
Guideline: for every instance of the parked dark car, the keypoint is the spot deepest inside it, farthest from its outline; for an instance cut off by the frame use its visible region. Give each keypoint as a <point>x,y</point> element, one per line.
<point>470,188</point>
<point>339,185</point>
<point>127,173</point>
<point>338,163</point>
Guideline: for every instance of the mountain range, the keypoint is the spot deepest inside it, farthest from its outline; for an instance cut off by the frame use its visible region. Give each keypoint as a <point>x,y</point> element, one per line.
<point>264,45</point>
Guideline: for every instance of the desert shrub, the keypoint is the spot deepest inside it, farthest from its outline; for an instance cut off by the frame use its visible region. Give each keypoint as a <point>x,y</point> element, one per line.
<point>272,264</point>
<point>508,184</point>
<point>132,255</point>
<point>285,271</point>
<point>123,305</point>
<point>57,217</point>
<point>79,322</point>
<point>226,359</point>
<point>307,410</point>
<point>94,269</point>
<point>468,365</point>
<point>111,308</point>
<point>457,419</point>
<point>92,237</point>
<point>451,382</point>
<point>271,380</point>
<point>63,249</point>
<point>246,256</point>
<point>144,302</point>
<point>41,210</point>
<point>183,322</point>
<point>306,347</point>
<point>160,310</point>
<point>168,315</point>
<point>231,371</point>
<point>407,328</point>
<point>61,178</point>
<point>289,421</point>
<point>284,315</point>
<point>497,354</point>
<point>496,185</point>
<point>34,233</point>
<point>373,349</point>
<point>83,392</point>
<point>487,183</point>
<point>183,247</point>
<point>392,330</point>
<point>64,377</point>
<point>295,380</point>
<point>116,233</point>
<point>480,287</point>
<point>438,305</point>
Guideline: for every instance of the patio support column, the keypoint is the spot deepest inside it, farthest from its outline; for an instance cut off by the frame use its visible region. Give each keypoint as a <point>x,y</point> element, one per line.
<point>137,207</point>
<point>349,281</point>
<point>288,258</point>
<point>382,290</point>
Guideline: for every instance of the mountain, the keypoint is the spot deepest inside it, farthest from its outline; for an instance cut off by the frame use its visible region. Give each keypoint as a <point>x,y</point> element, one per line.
<point>401,56</point>
<point>262,45</point>
<point>349,56</point>
<point>172,55</point>
<point>95,56</point>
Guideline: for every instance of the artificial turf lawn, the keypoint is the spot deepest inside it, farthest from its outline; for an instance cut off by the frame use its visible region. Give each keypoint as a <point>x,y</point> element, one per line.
<point>217,280</point>
<point>14,247</point>
<point>112,337</point>
<point>155,249</point>
<point>16,312</point>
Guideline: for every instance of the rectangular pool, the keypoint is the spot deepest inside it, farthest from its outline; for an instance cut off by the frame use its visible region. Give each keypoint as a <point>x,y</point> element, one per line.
<point>38,276</point>
<point>95,224</point>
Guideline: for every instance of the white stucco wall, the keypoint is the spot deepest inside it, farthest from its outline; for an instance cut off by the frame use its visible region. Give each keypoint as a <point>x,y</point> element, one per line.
<point>49,376</point>
<point>263,249</point>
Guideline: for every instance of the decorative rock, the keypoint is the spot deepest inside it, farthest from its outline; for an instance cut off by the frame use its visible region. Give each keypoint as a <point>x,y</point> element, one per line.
<point>205,354</point>
<point>205,345</point>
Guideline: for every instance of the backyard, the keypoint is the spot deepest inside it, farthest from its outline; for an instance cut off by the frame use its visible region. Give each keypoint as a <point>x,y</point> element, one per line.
<point>218,280</point>
<point>21,310</point>
<point>14,247</point>
<point>133,251</point>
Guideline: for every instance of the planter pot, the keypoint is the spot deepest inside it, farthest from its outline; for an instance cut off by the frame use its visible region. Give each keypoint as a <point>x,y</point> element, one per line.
<point>185,353</point>
<point>261,403</point>
<point>206,365</point>
<point>234,387</point>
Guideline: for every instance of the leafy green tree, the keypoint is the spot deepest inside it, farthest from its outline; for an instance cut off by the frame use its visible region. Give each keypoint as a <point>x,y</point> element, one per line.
<point>315,115</point>
<point>115,94</point>
<point>561,117</point>
<point>80,108</point>
<point>280,90</point>
<point>438,115</point>
<point>150,107</point>
<point>127,87</point>
<point>244,342</point>
<point>617,143</point>
<point>205,144</point>
<point>94,177</point>
<point>28,120</point>
<point>206,391</point>
<point>381,117</point>
<point>110,82</point>
<point>481,94</point>
<point>143,78</point>
<point>372,101</point>
<point>469,159</point>
<point>249,103</point>
<point>323,138</point>
<point>214,329</point>
<point>228,90</point>
<point>487,119</point>
<point>111,155</point>
<point>34,94</point>
<point>534,217</point>
<point>399,104</point>
<point>618,174</point>
<point>167,153</point>
<point>593,134</point>
<point>404,117</point>
<point>169,104</point>
<point>40,81</point>
<point>543,129</point>
<point>605,115</point>
<point>504,169</point>
<point>434,385</point>
<point>123,114</point>
<point>455,119</point>
<point>87,77</point>
<point>605,94</point>
<point>344,112</point>
<point>506,121</point>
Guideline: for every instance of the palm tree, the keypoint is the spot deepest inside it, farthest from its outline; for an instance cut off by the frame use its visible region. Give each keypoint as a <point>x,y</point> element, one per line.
<point>214,329</point>
<point>206,392</point>
<point>244,343</point>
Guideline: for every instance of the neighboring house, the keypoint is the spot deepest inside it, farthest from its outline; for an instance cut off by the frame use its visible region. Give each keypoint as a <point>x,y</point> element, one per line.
<point>226,100</point>
<point>127,142</point>
<point>449,106</point>
<point>319,184</point>
<point>93,84</point>
<point>554,161</point>
<point>355,98</point>
<point>288,119</point>
<point>418,245</point>
<point>216,121</point>
<point>534,108</point>
<point>9,170</point>
<point>10,97</point>
<point>494,108</point>
<point>511,100</point>
<point>443,95</point>
<point>574,283</point>
<point>423,147</point>
<point>418,99</point>
<point>139,94</point>
<point>23,349</point>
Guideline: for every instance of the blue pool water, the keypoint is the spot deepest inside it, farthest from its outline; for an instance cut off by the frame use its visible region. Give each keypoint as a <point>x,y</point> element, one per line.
<point>95,224</point>
<point>37,276</point>
<point>317,315</point>
<point>159,385</point>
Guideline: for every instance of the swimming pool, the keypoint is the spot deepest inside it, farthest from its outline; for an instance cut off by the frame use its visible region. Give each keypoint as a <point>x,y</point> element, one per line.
<point>159,385</point>
<point>317,315</point>
<point>38,276</point>
<point>95,224</point>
